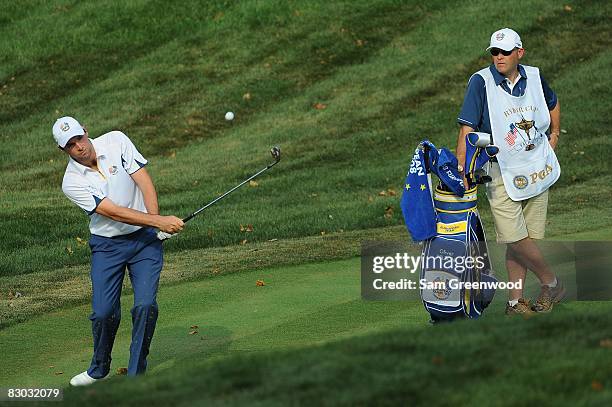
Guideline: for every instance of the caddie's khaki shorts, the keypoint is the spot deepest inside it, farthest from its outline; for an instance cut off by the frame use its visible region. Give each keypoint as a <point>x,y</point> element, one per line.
<point>513,220</point>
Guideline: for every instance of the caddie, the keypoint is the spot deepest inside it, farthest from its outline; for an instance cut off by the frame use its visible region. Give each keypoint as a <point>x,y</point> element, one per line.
<point>514,104</point>
<point>106,178</point>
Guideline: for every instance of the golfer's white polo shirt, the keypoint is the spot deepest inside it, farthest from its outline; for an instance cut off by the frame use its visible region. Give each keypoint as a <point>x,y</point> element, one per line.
<point>117,159</point>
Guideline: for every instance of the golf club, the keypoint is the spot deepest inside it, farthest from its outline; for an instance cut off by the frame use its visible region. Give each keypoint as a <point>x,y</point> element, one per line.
<point>276,154</point>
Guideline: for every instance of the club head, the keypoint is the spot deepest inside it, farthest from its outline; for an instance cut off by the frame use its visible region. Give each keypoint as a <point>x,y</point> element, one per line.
<point>276,153</point>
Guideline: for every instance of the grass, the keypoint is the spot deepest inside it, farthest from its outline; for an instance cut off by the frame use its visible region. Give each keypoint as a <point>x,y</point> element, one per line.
<point>306,335</point>
<point>271,62</point>
<point>347,89</point>
<point>403,366</point>
<point>298,306</point>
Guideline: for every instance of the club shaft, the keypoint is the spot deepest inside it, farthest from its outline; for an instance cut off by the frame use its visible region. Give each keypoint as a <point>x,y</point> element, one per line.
<point>220,197</point>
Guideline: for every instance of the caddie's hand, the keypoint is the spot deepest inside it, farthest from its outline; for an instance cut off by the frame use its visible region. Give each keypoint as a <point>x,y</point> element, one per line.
<point>554,139</point>
<point>462,173</point>
<point>170,224</point>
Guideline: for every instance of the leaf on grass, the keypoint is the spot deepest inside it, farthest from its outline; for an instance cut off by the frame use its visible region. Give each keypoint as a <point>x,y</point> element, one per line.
<point>260,283</point>
<point>193,332</point>
<point>323,233</point>
<point>246,96</point>
<point>437,360</point>
<point>193,327</point>
<point>388,212</point>
<point>216,270</point>
<point>243,242</point>
<point>596,385</point>
<point>69,250</point>
<point>319,106</point>
<point>606,343</point>
<point>567,8</point>
<point>391,192</point>
<point>80,241</point>
<point>253,183</point>
<point>121,371</point>
<point>273,240</point>
<point>382,193</point>
<point>249,228</point>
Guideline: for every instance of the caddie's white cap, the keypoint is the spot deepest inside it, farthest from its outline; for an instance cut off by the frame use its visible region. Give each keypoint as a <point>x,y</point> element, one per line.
<point>66,128</point>
<point>506,39</point>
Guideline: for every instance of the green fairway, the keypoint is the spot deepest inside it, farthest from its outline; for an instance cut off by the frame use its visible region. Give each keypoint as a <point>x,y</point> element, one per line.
<point>283,324</point>
<point>553,359</point>
<point>297,306</point>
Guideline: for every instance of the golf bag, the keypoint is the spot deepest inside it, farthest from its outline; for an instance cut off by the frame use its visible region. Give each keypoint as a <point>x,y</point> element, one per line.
<point>458,253</point>
<point>446,220</point>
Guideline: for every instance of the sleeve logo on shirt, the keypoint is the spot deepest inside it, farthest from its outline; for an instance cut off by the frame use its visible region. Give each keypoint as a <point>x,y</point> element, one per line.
<point>113,170</point>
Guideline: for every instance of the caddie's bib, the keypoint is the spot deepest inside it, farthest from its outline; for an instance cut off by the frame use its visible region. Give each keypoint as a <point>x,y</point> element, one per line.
<point>527,162</point>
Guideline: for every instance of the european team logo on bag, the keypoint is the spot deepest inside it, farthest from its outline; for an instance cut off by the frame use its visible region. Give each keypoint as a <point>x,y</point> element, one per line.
<point>442,293</point>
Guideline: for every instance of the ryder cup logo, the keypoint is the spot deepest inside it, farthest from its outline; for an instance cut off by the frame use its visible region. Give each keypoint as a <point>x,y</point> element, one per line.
<point>499,36</point>
<point>113,170</point>
<point>521,181</point>
<point>441,293</point>
<point>64,127</point>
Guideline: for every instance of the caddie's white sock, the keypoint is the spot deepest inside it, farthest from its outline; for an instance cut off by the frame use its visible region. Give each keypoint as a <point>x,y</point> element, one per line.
<point>512,303</point>
<point>553,284</point>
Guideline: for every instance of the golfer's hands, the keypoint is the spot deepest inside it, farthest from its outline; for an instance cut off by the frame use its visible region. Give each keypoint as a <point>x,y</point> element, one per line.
<point>170,224</point>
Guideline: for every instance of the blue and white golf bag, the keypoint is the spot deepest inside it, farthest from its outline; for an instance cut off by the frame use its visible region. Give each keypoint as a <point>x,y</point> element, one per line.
<point>455,252</point>
<point>456,255</point>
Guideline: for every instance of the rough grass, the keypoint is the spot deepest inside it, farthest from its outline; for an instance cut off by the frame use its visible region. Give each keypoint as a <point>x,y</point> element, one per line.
<point>388,72</point>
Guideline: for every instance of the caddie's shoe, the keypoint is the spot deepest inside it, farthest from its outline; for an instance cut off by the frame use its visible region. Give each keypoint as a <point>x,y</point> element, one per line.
<point>549,296</point>
<point>522,307</point>
<point>83,379</point>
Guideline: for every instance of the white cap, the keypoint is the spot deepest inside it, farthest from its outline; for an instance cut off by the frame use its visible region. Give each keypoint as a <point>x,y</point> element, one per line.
<point>66,128</point>
<point>506,39</point>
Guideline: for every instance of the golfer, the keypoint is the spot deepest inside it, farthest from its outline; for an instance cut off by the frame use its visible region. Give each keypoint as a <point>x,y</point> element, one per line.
<point>106,178</point>
<point>514,103</point>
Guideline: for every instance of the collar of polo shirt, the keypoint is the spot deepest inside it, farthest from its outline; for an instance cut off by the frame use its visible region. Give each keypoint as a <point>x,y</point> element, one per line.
<point>499,78</point>
<point>100,152</point>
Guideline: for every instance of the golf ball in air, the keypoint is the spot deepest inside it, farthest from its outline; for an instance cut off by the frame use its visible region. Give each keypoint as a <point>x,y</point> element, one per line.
<point>229,116</point>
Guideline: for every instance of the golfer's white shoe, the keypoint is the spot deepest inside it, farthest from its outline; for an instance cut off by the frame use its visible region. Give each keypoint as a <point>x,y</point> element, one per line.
<point>83,379</point>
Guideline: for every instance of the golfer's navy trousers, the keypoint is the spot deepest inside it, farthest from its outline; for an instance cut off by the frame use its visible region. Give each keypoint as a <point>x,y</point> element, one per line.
<point>141,253</point>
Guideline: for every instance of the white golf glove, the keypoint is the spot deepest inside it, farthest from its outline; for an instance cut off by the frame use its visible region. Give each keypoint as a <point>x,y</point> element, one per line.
<point>163,235</point>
